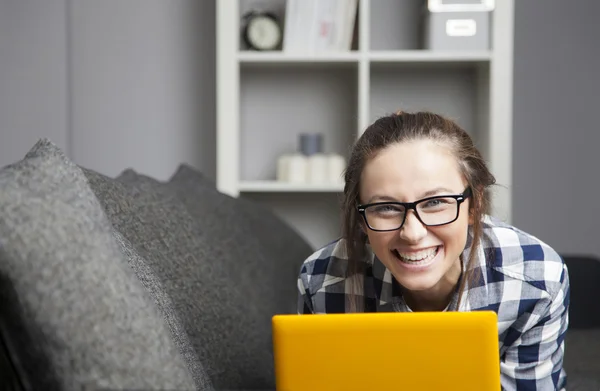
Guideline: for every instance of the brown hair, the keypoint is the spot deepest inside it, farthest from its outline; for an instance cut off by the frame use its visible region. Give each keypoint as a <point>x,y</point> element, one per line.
<point>397,128</point>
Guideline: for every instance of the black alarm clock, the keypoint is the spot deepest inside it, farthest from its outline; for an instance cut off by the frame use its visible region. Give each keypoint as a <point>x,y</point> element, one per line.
<point>262,31</point>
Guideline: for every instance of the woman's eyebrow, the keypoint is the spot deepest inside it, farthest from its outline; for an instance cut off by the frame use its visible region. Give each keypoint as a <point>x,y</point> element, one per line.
<point>429,193</point>
<point>381,198</point>
<point>436,191</point>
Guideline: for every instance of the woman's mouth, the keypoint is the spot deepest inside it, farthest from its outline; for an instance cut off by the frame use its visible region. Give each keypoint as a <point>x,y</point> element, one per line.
<point>417,259</point>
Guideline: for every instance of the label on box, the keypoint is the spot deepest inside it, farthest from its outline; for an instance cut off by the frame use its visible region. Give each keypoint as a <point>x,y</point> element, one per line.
<point>461,27</point>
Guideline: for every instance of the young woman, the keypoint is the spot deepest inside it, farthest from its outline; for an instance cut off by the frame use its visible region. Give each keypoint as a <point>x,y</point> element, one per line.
<point>417,237</point>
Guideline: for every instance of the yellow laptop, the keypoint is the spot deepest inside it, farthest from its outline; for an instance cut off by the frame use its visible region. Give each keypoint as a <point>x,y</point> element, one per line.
<point>387,351</point>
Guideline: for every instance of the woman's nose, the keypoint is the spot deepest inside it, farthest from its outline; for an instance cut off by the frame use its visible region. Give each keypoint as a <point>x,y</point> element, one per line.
<point>413,230</point>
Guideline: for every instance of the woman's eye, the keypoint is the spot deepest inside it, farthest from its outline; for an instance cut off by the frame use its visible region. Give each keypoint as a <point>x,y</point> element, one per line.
<point>438,203</point>
<point>433,203</point>
<point>388,209</point>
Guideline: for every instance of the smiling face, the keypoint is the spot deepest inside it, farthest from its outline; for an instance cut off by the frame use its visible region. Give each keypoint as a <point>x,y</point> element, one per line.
<point>424,260</point>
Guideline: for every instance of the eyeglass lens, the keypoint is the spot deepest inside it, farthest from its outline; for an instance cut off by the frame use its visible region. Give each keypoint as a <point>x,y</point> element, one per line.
<point>389,216</point>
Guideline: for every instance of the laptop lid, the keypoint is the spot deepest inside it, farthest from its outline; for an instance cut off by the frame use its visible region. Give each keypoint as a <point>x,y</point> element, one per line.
<point>384,351</point>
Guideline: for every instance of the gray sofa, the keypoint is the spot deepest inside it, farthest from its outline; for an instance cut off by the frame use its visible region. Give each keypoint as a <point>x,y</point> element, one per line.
<point>130,283</point>
<point>135,284</point>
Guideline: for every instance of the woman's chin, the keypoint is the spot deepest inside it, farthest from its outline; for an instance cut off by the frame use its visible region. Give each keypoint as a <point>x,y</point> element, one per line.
<point>419,284</point>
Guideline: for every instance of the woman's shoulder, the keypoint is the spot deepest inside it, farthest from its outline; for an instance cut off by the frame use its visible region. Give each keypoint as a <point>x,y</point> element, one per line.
<point>325,266</point>
<point>520,255</point>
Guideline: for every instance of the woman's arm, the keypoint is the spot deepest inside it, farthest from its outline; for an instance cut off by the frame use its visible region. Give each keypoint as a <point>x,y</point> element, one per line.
<point>535,361</point>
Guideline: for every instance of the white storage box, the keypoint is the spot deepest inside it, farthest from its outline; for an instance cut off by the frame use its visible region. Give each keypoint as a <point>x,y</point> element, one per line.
<point>458,24</point>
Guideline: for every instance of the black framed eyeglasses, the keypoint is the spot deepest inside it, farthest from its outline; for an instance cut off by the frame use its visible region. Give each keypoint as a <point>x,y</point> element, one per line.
<point>431,211</point>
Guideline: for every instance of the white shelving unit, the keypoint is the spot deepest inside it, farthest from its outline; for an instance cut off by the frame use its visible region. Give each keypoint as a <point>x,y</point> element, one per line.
<point>265,99</point>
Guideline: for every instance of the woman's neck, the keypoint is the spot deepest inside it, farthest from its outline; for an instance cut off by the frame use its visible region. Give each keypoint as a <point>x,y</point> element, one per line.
<point>438,297</point>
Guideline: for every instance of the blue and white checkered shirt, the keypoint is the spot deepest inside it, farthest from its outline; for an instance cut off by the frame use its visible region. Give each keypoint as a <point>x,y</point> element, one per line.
<point>522,279</point>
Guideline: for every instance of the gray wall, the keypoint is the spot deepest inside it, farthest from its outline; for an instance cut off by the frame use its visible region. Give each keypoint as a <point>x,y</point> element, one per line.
<point>131,84</point>
<point>556,183</point>
<point>116,83</point>
<point>33,77</point>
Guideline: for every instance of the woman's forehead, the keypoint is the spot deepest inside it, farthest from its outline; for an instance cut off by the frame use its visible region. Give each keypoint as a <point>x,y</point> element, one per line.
<point>411,170</point>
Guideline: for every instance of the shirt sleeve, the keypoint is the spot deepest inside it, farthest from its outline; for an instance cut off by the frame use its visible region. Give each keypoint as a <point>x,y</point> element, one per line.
<point>304,300</point>
<point>535,361</point>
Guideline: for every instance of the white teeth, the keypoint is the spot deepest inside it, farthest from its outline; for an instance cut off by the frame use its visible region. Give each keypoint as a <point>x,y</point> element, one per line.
<point>419,256</point>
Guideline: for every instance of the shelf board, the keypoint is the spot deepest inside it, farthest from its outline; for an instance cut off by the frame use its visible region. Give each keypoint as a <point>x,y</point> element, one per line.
<point>283,187</point>
<point>402,56</point>
<point>395,56</point>
<point>251,57</point>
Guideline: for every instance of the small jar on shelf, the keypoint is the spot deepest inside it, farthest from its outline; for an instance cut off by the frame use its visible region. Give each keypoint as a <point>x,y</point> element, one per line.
<point>310,165</point>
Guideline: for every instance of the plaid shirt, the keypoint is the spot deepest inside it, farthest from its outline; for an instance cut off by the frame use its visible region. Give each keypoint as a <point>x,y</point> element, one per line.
<point>522,279</point>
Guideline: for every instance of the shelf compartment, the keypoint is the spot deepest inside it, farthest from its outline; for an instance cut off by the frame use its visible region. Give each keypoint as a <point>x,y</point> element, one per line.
<point>395,25</point>
<point>278,9</point>
<point>284,187</point>
<point>450,91</point>
<point>275,7</point>
<point>279,103</point>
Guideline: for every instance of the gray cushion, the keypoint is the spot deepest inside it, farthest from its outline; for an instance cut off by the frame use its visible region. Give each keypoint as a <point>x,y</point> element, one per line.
<point>75,314</point>
<point>271,253</point>
<point>183,256</point>
<point>152,283</point>
<point>213,268</point>
<point>282,249</point>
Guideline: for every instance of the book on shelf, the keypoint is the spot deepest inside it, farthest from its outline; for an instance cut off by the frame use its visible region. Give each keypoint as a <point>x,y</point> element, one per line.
<point>316,26</point>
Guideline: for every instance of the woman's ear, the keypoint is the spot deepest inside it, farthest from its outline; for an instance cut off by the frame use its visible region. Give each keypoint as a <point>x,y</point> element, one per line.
<point>474,204</point>
<point>472,208</point>
<point>362,227</point>
<point>363,230</point>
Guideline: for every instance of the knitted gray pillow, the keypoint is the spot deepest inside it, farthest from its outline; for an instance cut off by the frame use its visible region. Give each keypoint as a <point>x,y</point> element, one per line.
<point>282,248</point>
<point>212,267</point>
<point>196,272</point>
<point>73,313</point>
<point>152,282</point>
<point>259,245</point>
